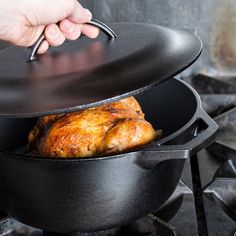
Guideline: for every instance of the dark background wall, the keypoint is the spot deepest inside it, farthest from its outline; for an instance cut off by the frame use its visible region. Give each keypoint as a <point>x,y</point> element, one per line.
<point>214,20</point>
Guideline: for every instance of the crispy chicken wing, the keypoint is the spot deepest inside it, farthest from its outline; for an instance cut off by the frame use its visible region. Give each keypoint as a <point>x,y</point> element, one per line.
<point>106,129</point>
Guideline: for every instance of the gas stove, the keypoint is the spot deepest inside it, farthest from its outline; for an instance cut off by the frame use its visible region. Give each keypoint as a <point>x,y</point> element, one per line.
<point>214,168</point>
<point>216,165</point>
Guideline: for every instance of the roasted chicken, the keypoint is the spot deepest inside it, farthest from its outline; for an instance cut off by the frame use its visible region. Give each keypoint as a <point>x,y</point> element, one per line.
<point>106,129</point>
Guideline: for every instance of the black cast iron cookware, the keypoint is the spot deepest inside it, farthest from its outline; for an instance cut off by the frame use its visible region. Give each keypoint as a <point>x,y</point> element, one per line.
<point>87,72</point>
<point>91,194</point>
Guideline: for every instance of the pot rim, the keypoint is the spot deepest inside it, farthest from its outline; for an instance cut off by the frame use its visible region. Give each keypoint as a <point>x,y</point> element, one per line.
<point>120,155</point>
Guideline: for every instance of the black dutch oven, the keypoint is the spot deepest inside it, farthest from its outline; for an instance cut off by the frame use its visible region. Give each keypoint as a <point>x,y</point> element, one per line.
<point>92,194</point>
<point>98,193</point>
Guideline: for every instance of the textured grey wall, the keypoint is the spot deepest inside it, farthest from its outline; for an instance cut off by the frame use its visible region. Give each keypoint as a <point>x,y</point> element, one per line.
<point>214,20</point>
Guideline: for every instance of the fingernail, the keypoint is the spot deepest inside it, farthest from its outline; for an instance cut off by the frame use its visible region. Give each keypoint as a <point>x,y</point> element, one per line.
<point>87,13</point>
<point>67,26</point>
<point>53,31</point>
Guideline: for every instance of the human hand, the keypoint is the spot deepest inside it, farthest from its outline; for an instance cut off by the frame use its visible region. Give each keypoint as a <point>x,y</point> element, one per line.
<point>22,22</point>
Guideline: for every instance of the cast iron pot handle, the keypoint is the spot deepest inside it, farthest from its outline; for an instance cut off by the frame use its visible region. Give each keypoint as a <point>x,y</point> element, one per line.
<point>152,156</point>
<point>204,133</point>
<point>103,27</point>
<point>203,136</point>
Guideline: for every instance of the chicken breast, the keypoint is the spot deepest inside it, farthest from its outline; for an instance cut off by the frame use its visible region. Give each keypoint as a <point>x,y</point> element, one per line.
<point>106,129</point>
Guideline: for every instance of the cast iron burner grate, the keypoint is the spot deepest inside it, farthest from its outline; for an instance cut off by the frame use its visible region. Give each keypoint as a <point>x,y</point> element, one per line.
<point>217,164</point>
<point>217,96</point>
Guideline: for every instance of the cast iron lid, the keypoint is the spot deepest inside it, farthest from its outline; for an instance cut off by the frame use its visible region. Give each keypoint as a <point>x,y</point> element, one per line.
<point>90,72</point>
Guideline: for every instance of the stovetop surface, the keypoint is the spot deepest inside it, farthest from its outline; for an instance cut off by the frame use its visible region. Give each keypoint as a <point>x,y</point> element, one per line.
<point>216,165</point>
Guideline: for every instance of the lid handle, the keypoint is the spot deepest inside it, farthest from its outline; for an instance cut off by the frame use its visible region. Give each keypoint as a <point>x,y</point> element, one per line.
<point>103,27</point>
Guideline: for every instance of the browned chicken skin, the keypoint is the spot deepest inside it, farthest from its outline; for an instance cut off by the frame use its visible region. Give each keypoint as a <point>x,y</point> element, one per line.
<point>106,129</point>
